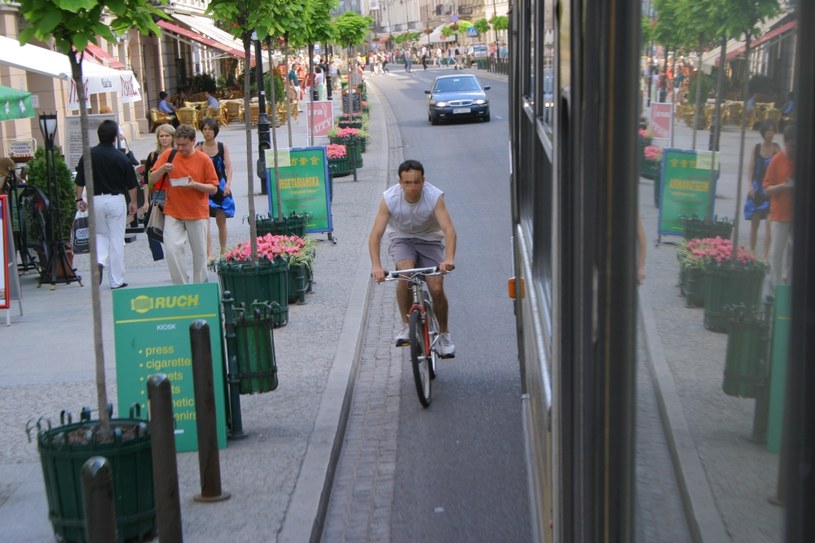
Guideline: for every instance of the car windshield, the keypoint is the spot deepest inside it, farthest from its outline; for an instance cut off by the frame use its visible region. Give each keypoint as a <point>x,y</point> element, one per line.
<point>455,84</point>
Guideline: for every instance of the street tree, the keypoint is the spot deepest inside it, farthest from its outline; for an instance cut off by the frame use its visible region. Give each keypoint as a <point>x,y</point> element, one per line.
<point>239,19</point>
<point>350,30</point>
<point>745,15</point>
<point>319,28</point>
<point>72,25</point>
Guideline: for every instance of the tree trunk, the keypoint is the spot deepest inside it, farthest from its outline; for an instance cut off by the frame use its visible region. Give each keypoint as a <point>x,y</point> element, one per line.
<point>98,346</point>
<point>745,90</point>
<point>697,101</point>
<point>247,114</point>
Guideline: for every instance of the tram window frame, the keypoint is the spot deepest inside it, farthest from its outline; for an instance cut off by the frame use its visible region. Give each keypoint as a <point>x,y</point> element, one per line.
<point>546,67</point>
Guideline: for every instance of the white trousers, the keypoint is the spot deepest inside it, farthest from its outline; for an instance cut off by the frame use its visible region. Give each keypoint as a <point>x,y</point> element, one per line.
<point>110,214</point>
<point>780,248</point>
<point>176,234</point>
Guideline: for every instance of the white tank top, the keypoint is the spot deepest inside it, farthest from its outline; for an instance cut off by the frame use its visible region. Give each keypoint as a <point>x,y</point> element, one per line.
<point>413,220</point>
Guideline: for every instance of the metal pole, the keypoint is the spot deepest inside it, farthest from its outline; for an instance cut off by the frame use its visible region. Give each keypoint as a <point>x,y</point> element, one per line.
<point>100,509</point>
<point>233,378</point>
<point>208,457</point>
<point>165,466</point>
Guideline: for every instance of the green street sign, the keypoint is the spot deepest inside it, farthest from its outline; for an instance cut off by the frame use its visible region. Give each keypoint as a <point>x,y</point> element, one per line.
<point>303,185</point>
<point>688,188</point>
<point>151,329</point>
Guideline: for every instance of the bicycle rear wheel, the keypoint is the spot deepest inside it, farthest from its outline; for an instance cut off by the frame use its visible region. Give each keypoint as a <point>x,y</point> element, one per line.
<point>420,358</point>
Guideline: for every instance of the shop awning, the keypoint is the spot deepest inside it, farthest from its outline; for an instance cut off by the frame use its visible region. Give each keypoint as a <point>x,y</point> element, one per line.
<point>206,27</point>
<point>436,37</point>
<point>100,56</point>
<point>97,78</point>
<point>765,38</point>
<point>734,46</point>
<point>202,39</point>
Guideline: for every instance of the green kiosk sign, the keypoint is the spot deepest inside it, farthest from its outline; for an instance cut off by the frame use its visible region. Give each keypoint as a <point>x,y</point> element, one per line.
<point>303,185</point>
<point>152,334</point>
<point>688,188</point>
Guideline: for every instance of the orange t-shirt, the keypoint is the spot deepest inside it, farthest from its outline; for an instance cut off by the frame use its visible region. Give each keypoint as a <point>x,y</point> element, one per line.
<point>185,203</point>
<point>780,169</point>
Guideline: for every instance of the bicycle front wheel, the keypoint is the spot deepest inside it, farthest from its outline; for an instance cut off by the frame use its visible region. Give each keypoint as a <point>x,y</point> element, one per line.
<point>420,357</point>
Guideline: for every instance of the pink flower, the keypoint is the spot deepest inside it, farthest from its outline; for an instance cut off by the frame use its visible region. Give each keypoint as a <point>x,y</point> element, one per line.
<point>335,150</point>
<point>652,152</point>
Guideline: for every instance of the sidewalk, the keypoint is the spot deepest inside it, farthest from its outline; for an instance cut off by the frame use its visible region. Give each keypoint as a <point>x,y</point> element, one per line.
<point>276,475</point>
<point>726,478</point>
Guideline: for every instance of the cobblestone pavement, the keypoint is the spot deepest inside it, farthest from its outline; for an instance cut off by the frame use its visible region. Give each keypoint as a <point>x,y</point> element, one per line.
<point>276,475</point>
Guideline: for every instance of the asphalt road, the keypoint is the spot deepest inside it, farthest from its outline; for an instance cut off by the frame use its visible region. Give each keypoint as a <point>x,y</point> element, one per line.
<point>458,466</point>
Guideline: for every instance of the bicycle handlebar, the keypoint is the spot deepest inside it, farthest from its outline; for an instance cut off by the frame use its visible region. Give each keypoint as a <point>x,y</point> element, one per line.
<point>411,272</point>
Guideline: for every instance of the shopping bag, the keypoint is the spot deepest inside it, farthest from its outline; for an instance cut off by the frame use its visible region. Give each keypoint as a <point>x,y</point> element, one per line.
<point>80,235</point>
<point>155,223</point>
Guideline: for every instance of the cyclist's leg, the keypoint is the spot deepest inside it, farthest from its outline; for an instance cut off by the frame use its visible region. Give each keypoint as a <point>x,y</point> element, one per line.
<point>435,284</point>
<point>404,256</point>
<point>431,253</point>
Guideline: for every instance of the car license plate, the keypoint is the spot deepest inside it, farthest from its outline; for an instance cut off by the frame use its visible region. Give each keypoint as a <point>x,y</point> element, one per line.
<point>461,110</point>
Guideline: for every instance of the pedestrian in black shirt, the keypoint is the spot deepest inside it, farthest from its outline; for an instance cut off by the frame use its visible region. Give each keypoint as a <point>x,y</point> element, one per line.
<point>113,178</point>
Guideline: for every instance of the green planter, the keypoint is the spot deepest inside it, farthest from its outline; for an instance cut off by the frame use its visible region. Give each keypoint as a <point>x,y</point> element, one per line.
<point>650,169</point>
<point>349,124</point>
<point>353,148</point>
<point>746,370</point>
<point>262,282</point>
<point>299,282</point>
<point>693,285</point>
<point>694,228</point>
<point>293,225</point>
<point>339,167</point>
<point>257,366</point>
<point>730,286</point>
<point>63,451</point>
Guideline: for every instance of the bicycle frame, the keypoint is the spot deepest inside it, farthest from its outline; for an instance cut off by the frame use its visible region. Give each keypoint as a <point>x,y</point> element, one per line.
<point>421,320</point>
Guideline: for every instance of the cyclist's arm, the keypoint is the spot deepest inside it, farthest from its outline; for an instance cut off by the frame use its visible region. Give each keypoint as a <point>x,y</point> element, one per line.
<point>375,239</point>
<point>446,225</point>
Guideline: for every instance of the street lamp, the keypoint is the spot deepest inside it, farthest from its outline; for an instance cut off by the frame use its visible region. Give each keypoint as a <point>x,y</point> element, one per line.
<point>264,133</point>
<point>57,257</point>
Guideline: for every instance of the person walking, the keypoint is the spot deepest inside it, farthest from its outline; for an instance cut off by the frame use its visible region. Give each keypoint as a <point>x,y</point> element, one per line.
<point>779,183</point>
<point>421,234</point>
<point>757,205</point>
<point>192,177</point>
<point>165,138</point>
<point>114,181</point>
<point>221,204</point>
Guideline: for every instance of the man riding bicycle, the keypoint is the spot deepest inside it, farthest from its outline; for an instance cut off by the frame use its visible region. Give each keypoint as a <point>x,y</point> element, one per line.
<point>421,234</point>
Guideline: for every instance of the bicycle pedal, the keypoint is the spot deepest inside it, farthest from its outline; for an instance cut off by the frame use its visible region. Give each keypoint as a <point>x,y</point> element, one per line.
<point>402,343</point>
<point>447,356</point>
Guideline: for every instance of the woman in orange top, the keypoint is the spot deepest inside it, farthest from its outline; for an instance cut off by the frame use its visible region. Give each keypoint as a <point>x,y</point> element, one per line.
<point>779,186</point>
<point>186,213</point>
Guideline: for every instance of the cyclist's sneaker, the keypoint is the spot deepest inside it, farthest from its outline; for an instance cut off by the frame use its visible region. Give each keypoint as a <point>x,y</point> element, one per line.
<point>403,336</point>
<point>445,347</point>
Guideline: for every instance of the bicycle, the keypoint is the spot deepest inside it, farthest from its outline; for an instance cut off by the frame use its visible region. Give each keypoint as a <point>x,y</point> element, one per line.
<point>423,328</point>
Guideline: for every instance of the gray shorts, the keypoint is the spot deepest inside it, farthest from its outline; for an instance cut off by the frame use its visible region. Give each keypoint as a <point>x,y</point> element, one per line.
<point>422,252</point>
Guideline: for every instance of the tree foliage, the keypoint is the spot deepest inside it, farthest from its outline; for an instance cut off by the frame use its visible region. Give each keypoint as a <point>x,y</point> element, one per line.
<point>351,28</point>
<point>482,26</point>
<point>500,22</point>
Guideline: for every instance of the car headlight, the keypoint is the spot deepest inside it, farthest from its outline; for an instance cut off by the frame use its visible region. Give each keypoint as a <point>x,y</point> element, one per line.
<point>479,102</point>
<point>439,104</point>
